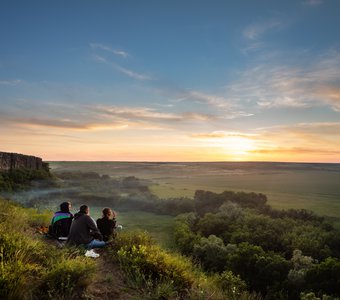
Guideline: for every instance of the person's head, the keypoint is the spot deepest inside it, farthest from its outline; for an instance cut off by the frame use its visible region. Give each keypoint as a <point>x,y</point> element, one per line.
<point>84,209</point>
<point>108,213</point>
<point>65,206</point>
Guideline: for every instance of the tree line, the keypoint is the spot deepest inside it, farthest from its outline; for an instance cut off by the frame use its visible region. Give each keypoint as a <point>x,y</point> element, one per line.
<point>280,254</point>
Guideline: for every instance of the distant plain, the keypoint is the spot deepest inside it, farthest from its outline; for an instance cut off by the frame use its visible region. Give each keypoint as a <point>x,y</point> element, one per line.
<point>308,186</point>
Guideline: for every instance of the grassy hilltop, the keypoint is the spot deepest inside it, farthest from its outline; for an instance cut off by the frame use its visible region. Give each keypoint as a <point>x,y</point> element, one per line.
<point>212,245</point>
<point>133,268</point>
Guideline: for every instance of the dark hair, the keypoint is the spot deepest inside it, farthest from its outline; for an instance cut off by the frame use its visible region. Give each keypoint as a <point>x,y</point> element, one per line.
<point>106,211</point>
<point>65,207</point>
<point>83,209</point>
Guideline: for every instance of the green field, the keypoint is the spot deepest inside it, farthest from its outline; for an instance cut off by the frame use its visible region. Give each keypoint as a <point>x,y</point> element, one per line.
<point>160,227</point>
<point>313,187</point>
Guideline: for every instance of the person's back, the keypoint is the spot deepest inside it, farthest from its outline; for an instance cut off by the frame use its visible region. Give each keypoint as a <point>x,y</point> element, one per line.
<point>61,221</point>
<point>107,224</point>
<point>84,230</point>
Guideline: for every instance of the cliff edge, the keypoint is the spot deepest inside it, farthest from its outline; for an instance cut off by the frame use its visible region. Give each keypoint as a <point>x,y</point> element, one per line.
<point>12,161</point>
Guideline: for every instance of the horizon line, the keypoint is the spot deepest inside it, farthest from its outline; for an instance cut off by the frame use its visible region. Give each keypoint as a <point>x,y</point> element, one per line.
<point>176,162</point>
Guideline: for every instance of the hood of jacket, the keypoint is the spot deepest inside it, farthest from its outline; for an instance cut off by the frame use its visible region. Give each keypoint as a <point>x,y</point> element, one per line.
<point>79,214</point>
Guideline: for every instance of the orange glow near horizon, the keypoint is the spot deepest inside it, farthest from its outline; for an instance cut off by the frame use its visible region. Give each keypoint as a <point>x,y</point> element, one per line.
<point>138,144</point>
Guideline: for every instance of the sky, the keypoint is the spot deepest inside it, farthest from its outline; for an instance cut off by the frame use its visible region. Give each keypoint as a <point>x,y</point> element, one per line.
<point>179,80</point>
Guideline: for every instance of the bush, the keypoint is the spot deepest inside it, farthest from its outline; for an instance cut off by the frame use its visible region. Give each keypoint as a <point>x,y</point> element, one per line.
<point>164,275</point>
<point>232,284</point>
<point>67,278</point>
<point>136,253</point>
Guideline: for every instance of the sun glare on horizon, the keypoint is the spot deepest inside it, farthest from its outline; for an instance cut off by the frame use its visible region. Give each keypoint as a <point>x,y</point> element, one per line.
<point>237,148</point>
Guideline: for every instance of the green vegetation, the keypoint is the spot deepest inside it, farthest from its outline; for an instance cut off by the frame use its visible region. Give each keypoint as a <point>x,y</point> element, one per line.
<point>164,275</point>
<point>160,227</point>
<point>279,254</point>
<point>32,269</point>
<point>233,244</point>
<point>313,187</point>
<point>20,179</point>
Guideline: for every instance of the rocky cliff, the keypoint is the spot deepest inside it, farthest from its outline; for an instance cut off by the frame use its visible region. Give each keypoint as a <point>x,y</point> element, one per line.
<point>11,161</point>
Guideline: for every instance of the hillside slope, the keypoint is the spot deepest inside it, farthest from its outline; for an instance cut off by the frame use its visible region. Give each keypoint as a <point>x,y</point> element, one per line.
<point>134,267</point>
<point>32,267</point>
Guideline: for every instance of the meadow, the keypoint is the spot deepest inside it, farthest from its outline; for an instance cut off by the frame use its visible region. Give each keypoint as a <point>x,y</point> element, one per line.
<point>160,227</point>
<point>313,187</point>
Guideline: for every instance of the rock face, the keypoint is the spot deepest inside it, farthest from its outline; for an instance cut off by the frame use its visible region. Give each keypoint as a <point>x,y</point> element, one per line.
<point>11,161</point>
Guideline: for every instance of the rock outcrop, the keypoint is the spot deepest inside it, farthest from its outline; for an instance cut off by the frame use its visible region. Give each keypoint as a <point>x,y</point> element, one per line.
<point>11,161</point>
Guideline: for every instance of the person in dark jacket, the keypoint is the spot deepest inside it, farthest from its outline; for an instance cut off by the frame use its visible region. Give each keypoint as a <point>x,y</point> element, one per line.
<point>84,230</point>
<point>61,221</point>
<point>107,224</point>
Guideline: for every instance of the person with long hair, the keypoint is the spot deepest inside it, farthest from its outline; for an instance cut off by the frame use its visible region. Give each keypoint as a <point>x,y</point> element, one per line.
<point>107,224</point>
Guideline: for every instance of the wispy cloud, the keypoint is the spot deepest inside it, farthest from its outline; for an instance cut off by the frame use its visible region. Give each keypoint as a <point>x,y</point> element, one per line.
<point>125,71</point>
<point>210,99</point>
<point>30,113</point>
<point>316,128</point>
<point>53,122</point>
<point>295,150</point>
<point>78,117</point>
<point>10,82</point>
<point>108,49</point>
<point>138,114</point>
<point>313,2</point>
<point>224,107</point>
<point>302,138</point>
<point>254,35</point>
<point>313,81</point>
<point>222,134</point>
<point>256,30</point>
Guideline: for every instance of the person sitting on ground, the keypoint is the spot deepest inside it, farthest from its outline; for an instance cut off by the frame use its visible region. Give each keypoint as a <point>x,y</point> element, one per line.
<point>107,224</point>
<point>84,230</point>
<point>61,221</point>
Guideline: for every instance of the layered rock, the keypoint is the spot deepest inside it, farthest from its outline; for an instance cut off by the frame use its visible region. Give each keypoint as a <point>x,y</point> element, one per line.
<point>11,161</point>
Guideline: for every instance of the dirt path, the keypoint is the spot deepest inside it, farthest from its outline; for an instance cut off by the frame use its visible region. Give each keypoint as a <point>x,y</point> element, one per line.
<point>109,281</point>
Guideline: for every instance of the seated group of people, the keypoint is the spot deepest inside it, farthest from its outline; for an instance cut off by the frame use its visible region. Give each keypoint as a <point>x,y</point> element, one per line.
<point>81,229</point>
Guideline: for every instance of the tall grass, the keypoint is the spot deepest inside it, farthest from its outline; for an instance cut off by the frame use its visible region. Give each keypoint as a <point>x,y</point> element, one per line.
<point>160,274</point>
<point>32,269</point>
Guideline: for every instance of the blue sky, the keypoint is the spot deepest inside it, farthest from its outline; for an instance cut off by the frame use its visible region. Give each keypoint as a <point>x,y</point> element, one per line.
<point>171,80</point>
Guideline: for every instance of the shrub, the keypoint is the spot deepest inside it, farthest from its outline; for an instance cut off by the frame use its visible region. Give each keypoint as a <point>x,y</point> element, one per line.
<point>164,275</point>
<point>137,253</point>
<point>232,284</point>
<point>67,278</point>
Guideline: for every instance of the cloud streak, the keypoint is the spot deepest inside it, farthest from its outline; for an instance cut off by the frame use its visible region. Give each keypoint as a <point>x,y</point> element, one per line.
<point>138,114</point>
<point>221,135</point>
<point>313,2</point>
<point>224,107</point>
<point>296,150</point>
<point>125,71</point>
<point>257,30</point>
<point>77,117</point>
<point>108,49</point>
<point>10,82</point>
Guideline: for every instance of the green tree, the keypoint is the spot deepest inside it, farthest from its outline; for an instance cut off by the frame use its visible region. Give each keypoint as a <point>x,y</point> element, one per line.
<point>212,253</point>
<point>324,278</point>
